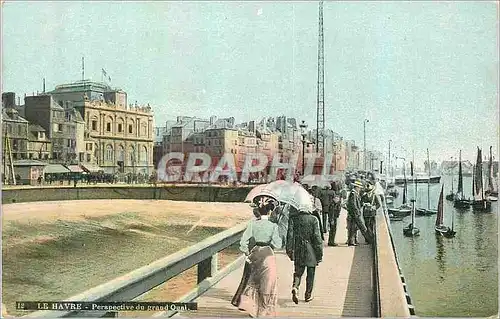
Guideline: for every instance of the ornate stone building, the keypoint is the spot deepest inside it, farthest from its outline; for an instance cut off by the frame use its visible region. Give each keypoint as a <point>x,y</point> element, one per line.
<point>118,137</point>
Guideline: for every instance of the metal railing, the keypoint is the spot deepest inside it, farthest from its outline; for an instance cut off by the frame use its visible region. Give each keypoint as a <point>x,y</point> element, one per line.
<point>142,280</point>
<point>375,274</point>
<point>393,288</point>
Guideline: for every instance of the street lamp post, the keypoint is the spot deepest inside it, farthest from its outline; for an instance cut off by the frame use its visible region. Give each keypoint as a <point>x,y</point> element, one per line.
<point>389,164</point>
<point>303,127</point>
<point>364,143</point>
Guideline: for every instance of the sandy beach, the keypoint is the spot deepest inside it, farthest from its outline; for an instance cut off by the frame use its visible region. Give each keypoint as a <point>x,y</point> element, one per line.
<point>54,250</point>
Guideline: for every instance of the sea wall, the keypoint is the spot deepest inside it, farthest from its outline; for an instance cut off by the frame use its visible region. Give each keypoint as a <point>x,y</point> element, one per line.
<point>180,193</point>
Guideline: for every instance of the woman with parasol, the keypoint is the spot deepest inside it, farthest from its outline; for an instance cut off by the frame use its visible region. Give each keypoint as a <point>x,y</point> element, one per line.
<point>257,293</point>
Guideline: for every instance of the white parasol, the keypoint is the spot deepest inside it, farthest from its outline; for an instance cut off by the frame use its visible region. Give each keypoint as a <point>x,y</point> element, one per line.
<point>254,192</point>
<point>285,192</point>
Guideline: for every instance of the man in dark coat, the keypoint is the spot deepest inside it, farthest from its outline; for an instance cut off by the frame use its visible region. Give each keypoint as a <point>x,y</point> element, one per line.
<point>334,211</point>
<point>304,247</point>
<point>325,197</point>
<point>370,205</point>
<point>354,221</point>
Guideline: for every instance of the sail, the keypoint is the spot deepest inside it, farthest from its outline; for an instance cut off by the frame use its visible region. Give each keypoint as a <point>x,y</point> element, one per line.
<point>478,190</point>
<point>460,189</point>
<point>473,179</point>
<point>491,188</point>
<point>440,212</point>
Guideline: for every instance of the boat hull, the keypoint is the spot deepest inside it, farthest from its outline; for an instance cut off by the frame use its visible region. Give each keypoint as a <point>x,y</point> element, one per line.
<point>461,203</point>
<point>400,211</point>
<point>393,218</point>
<point>433,180</point>
<point>444,231</point>
<point>425,212</point>
<point>481,205</point>
<point>491,193</point>
<point>411,231</point>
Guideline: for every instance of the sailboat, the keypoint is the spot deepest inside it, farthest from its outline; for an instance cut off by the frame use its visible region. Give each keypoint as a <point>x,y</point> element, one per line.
<point>451,195</point>
<point>491,193</point>
<point>411,230</point>
<point>404,209</point>
<point>459,200</point>
<point>427,211</point>
<point>440,228</point>
<point>479,202</point>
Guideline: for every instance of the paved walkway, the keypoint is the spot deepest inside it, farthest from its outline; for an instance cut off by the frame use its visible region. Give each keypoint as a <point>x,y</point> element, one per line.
<point>343,285</point>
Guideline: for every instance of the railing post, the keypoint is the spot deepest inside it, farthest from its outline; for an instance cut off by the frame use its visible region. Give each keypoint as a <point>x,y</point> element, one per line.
<point>207,268</point>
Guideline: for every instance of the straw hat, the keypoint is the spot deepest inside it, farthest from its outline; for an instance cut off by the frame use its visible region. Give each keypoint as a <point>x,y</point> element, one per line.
<point>357,183</point>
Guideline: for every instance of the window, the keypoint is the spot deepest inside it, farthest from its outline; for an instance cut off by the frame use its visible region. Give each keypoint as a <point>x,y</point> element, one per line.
<point>88,157</point>
<point>41,135</point>
<point>31,155</point>
<point>120,128</point>
<point>109,153</point>
<point>108,127</point>
<point>81,156</point>
<point>130,128</point>
<point>94,125</point>
<point>20,130</point>
<point>59,127</point>
<point>89,147</point>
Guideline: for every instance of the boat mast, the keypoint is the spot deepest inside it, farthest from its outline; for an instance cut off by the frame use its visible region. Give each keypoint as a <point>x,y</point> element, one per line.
<point>405,189</point>
<point>428,183</point>
<point>491,188</point>
<point>413,200</point>
<point>473,182</point>
<point>452,220</point>
<point>460,179</point>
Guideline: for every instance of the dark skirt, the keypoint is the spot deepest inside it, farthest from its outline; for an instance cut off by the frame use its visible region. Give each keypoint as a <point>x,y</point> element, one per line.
<point>243,283</point>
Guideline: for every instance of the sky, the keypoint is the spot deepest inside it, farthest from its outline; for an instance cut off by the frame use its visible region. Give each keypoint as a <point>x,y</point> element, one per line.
<point>425,74</point>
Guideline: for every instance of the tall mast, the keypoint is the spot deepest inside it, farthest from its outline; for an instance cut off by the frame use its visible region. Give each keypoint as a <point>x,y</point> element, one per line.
<point>414,197</point>
<point>428,183</point>
<point>320,123</point>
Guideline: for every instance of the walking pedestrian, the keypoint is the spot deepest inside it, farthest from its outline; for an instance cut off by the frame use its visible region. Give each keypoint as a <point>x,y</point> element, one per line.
<point>325,197</point>
<point>257,293</point>
<point>370,205</point>
<point>334,211</point>
<point>304,247</point>
<point>354,221</point>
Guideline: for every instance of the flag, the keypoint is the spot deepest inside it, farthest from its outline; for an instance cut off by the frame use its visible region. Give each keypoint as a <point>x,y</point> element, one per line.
<point>104,72</point>
<point>109,78</point>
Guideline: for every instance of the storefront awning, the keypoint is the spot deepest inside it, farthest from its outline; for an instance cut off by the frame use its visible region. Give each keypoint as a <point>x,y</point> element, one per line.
<point>55,169</point>
<point>29,163</point>
<point>75,169</point>
<point>91,168</point>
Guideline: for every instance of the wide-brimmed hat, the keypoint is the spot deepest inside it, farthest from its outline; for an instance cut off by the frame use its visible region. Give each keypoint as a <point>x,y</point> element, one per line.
<point>264,200</point>
<point>357,183</point>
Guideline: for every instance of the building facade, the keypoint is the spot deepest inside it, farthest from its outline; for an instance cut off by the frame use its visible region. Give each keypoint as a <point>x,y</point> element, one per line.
<point>116,136</point>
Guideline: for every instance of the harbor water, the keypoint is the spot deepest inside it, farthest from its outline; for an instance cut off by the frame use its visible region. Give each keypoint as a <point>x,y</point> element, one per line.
<point>455,277</point>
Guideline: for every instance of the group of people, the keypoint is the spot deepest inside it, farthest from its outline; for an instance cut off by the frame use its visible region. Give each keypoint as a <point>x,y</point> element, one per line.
<point>302,240</point>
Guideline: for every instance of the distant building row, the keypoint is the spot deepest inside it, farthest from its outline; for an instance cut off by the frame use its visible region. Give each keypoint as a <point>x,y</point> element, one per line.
<point>272,136</point>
